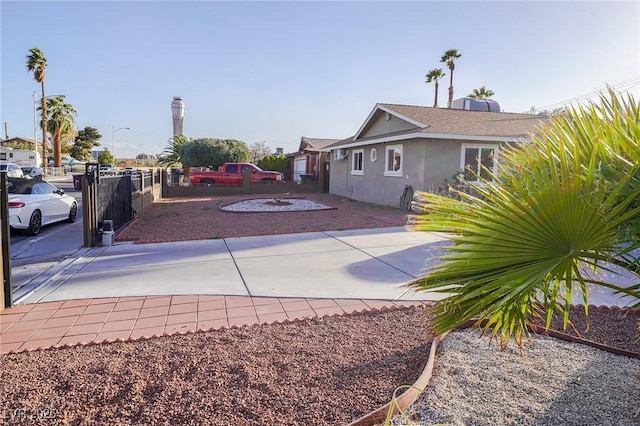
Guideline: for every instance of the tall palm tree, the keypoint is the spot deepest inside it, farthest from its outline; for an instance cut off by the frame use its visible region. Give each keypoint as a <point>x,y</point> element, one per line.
<point>433,76</point>
<point>565,206</point>
<point>61,125</point>
<point>37,63</point>
<point>482,93</point>
<point>172,154</point>
<point>448,58</point>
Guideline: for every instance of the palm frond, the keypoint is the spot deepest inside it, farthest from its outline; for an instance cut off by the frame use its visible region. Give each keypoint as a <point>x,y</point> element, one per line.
<point>526,244</point>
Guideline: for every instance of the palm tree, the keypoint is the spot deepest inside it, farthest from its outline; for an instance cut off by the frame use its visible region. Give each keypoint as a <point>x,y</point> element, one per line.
<point>61,125</point>
<point>37,63</point>
<point>171,154</point>
<point>448,58</point>
<point>433,76</point>
<point>565,204</point>
<point>482,93</point>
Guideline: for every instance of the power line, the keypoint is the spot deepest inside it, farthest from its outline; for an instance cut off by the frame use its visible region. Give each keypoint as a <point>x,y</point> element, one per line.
<point>622,86</point>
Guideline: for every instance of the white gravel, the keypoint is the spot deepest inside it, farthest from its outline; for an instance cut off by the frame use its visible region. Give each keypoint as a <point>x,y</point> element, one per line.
<point>260,205</point>
<point>552,383</point>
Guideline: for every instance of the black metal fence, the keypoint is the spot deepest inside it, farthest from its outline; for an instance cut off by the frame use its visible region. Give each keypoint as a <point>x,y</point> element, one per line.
<point>114,199</point>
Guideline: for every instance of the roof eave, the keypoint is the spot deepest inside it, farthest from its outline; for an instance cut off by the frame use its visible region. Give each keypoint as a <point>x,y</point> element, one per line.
<point>418,135</point>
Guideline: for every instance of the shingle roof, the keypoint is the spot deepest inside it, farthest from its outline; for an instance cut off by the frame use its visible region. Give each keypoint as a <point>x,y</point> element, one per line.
<point>438,122</point>
<point>18,139</point>
<point>315,143</point>
<point>470,123</point>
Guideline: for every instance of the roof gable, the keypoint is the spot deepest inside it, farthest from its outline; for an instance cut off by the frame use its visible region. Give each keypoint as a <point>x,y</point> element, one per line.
<point>383,120</point>
<point>314,144</point>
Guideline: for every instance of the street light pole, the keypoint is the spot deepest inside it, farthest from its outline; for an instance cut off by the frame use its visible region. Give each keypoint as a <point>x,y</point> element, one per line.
<point>113,139</point>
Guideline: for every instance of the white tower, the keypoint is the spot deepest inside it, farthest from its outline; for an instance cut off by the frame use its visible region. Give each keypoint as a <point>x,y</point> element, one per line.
<point>177,112</point>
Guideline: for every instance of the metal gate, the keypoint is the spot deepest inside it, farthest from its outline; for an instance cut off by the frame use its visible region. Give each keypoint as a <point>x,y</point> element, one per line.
<point>104,198</point>
<point>114,200</point>
<point>325,177</point>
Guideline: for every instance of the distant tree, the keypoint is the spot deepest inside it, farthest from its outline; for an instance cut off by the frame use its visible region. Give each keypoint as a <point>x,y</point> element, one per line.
<point>237,151</point>
<point>170,156</point>
<point>435,75</point>
<point>85,141</point>
<point>106,157</point>
<point>259,150</point>
<point>37,64</point>
<point>448,58</point>
<point>482,93</point>
<point>277,163</point>
<point>209,152</point>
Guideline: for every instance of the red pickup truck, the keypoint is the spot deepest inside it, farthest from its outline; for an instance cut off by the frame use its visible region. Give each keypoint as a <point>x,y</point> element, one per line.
<point>231,173</point>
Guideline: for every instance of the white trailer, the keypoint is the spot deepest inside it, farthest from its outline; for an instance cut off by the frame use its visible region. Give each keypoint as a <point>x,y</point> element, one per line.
<point>21,157</point>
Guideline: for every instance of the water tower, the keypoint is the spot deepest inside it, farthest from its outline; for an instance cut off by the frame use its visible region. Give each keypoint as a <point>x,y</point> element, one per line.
<point>177,112</point>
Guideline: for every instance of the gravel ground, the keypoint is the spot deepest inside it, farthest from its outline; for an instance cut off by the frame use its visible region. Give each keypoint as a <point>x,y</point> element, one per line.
<point>318,372</point>
<point>274,205</point>
<point>553,383</point>
<point>202,218</point>
<point>325,371</point>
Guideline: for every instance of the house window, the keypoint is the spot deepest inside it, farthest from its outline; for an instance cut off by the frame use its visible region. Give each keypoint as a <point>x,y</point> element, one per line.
<point>357,162</point>
<point>477,159</point>
<point>393,161</point>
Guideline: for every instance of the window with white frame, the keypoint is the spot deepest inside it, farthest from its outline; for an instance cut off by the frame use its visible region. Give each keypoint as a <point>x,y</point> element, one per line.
<point>393,160</point>
<point>357,162</point>
<point>478,160</point>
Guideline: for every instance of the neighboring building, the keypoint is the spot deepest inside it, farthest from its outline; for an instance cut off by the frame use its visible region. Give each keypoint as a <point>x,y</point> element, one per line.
<point>403,145</point>
<point>307,161</point>
<point>21,157</point>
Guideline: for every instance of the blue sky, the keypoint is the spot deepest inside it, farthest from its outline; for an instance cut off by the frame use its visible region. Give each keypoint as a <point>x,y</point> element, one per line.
<point>276,71</point>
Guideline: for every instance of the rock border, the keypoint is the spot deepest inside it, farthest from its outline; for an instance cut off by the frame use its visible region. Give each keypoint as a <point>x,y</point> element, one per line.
<point>222,206</point>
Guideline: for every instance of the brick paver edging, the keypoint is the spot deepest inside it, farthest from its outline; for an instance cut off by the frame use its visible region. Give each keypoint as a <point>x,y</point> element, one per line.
<point>99,321</point>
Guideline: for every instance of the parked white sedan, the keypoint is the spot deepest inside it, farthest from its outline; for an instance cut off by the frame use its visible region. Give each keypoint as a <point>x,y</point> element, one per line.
<point>33,204</point>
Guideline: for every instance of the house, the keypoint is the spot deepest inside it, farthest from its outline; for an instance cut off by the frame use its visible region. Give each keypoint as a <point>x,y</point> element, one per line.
<point>400,147</point>
<point>306,162</point>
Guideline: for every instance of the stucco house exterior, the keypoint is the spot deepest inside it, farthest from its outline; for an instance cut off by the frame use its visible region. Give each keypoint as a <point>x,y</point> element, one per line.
<point>307,161</point>
<point>399,146</point>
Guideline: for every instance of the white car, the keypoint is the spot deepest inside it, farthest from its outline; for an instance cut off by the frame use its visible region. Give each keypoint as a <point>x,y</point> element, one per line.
<point>35,203</point>
<point>12,170</point>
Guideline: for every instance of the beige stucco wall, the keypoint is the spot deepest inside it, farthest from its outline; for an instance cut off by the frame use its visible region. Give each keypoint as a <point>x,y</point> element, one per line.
<point>426,163</point>
<point>381,126</point>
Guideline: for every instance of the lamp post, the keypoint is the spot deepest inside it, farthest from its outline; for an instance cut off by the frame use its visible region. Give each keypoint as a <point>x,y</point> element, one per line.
<point>113,139</point>
<point>44,131</point>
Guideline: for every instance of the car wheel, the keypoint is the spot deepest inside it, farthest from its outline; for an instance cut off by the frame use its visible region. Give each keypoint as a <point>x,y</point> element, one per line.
<point>73,213</point>
<point>35,223</point>
<point>208,182</point>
